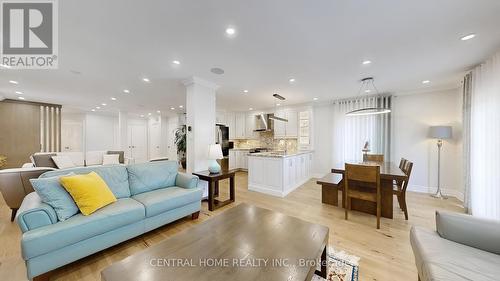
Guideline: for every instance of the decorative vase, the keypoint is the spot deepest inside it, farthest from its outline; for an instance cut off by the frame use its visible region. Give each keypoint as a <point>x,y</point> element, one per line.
<point>214,167</point>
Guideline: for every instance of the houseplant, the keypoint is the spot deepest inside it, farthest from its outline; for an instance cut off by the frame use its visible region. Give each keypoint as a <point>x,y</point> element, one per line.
<point>180,142</point>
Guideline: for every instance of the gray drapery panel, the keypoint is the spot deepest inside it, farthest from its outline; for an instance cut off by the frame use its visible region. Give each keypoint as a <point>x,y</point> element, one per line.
<point>466,119</point>
<point>50,128</point>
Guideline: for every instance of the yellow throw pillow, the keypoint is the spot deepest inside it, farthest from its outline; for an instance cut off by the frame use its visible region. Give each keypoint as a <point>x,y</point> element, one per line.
<point>89,191</point>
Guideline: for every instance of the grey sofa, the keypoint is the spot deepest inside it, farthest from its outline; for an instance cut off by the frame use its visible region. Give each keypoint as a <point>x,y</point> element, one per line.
<point>462,248</point>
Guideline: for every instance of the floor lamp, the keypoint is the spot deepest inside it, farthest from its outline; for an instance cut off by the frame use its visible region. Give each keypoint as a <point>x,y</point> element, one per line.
<point>440,133</point>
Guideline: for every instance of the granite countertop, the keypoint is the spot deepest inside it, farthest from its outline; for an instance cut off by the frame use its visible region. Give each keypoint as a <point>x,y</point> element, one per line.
<point>279,154</point>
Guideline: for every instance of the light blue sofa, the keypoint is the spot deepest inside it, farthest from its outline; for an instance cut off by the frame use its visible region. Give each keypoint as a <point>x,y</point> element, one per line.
<point>149,195</point>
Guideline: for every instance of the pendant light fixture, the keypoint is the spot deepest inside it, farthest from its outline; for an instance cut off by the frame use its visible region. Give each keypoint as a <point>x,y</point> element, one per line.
<point>274,117</point>
<point>367,85</point>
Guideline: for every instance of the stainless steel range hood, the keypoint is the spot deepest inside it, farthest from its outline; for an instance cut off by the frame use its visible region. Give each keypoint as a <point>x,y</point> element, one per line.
<point>263,122</point>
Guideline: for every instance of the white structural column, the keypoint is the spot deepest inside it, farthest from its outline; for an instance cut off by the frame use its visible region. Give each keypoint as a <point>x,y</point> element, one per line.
<point>200,121</point>
<point>122,132</point>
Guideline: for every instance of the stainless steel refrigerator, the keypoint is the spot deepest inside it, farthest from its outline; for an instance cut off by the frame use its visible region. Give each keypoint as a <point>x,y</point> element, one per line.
<point>222,138</point>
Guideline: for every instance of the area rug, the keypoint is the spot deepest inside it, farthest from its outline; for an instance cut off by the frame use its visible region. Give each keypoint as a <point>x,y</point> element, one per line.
<point>341,267</point>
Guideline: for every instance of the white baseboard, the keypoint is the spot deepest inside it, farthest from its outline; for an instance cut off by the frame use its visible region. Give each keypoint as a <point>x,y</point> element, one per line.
<point>431,190</point>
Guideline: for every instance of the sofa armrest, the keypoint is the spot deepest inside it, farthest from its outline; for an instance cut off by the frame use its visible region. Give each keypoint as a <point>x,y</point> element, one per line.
<point>186,180</point>
<point>33,213</point>
<point>468,230</point>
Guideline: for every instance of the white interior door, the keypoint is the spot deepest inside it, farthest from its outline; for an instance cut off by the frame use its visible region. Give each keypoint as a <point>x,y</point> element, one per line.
<point>137,142</point>
<point>171,147</point>
<point>71,136</point>
<point>155,140</point>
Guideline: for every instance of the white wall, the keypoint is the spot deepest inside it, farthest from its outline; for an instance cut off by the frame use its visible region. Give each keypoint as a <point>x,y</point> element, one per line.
<point>412,115</point>
<point>323,140</point>
<point>101,132</point>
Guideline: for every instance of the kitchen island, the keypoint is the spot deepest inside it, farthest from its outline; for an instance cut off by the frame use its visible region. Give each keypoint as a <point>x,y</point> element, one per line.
<point>278,173</point>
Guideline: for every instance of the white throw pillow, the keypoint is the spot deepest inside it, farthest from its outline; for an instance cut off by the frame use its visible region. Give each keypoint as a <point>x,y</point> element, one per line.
<point>110,159</point>
<point>63,162</point>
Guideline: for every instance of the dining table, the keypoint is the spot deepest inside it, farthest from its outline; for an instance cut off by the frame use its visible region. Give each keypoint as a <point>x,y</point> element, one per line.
<point>389,174</point>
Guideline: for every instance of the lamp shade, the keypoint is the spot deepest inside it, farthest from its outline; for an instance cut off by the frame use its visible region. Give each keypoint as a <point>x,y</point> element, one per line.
<point>440,132</point>
<point>215,152</point>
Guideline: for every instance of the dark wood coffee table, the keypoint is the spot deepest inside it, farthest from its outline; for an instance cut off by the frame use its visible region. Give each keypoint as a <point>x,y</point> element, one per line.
<point>213,187</point>
<point>232,246</point>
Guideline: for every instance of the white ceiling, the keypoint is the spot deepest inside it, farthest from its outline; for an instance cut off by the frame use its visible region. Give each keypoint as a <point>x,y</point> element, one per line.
<point>114,43</point>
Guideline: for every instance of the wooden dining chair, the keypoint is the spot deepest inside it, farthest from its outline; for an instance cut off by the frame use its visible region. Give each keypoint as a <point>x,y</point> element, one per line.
<point>402,163</point>
<point>373,157</point>
<point>369,178</point>
<point>400,188</point>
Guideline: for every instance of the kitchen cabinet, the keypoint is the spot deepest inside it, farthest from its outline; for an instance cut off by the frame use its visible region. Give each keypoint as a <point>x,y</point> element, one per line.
<point>278,175</point>
<point>286,129</point>
<point>231,125</point>
<point>220,118</point>
<point>250,127</point>
<point>239,125</point>
<point>238,159</point>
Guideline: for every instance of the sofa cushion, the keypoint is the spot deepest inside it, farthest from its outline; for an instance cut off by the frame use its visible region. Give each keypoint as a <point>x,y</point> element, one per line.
<point>441,259</point>
<point>89,191</point>
<point>121,155</point>
<point>115,176</point>
<point>166,199</point>
<point>152,175</point>
<point>43,160</point>
<point>63,162</point>
<point>76,157</point>
<point>52,193</point>
<point>93,158</point>
<point>79,227</point>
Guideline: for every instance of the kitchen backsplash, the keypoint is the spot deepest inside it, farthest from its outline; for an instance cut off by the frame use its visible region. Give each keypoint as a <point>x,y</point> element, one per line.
<point>267,140</point>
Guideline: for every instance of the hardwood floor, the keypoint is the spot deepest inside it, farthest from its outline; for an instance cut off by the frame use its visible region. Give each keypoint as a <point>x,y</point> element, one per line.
<point>385,253</point>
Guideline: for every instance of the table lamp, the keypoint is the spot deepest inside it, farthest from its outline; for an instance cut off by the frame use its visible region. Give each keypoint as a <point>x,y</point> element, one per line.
<point>440,133</point>
<point>214,153</point>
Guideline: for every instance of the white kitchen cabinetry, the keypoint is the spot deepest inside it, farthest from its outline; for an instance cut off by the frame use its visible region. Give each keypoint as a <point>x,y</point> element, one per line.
<point>288,129</point>
<point>238,159</point>
<point>231,125</point>
<point>278,176</point>
<point>220,118</point>
<point>250,127</point>
<point>239,125</point>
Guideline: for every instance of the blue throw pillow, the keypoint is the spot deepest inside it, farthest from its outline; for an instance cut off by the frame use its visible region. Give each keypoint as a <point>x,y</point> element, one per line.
<point>53,194</point>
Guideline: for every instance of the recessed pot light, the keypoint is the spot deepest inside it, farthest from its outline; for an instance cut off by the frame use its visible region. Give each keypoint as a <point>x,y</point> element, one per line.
<point>250,108</point>
<point>158,111</point>
<point>181,106</point>
<point>92,110</point>
<point>468,37</point>
<point>426,82</point>
<point>245,91</point>
<point>230,31</point>
<point>21,98</point>
<point>103,104</point>
<point>367,62</point>
<point>291,80</point>
<point>126,91</point>
<point>98,107</point>
<point>172,108</point>
<point>142,115</point>
<point>315,98</point>
<point>146,80</point>
<point>19,93</point>
<point>368,91</point>
<point>113,98</point>
<point>13,82</point>
<point>176,62</point>
<point>278,104</point>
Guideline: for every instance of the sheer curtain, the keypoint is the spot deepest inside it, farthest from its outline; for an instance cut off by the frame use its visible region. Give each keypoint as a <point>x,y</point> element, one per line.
<point>351,132</point>
<point>485,140</point>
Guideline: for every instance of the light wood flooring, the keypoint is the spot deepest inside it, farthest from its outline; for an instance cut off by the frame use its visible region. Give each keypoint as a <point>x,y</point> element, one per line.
<point>385,254</point>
